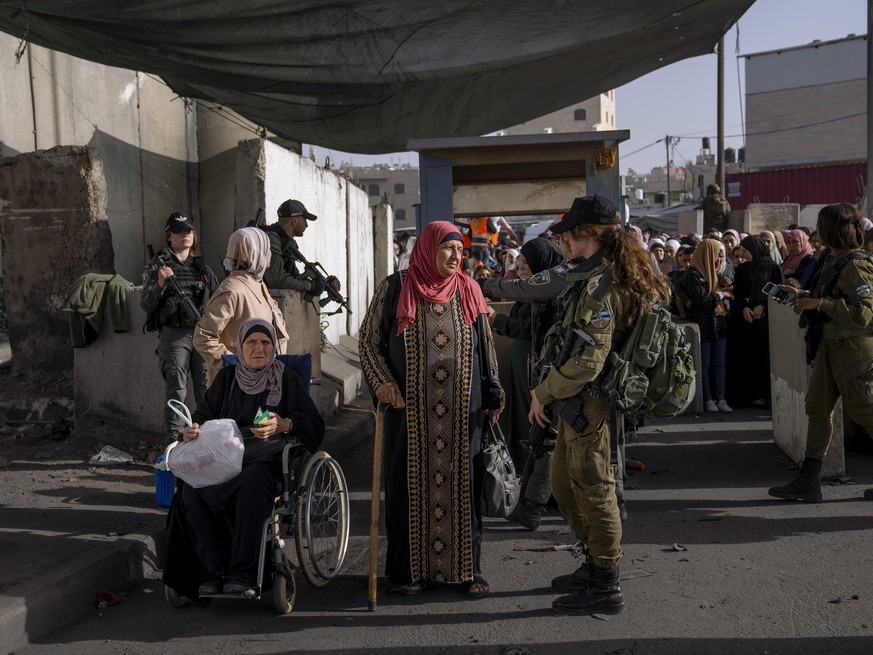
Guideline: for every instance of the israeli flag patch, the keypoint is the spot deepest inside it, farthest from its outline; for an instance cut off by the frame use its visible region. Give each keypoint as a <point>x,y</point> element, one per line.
<point>863,290</point>
<point>602,320</point>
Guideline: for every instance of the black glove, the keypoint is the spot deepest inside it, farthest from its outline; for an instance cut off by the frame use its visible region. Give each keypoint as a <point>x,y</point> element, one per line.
<point>317,287</point>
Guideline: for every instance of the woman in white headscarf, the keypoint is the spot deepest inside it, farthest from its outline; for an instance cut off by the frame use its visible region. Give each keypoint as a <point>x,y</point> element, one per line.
<point>769,239</point>
<point>241,296</point>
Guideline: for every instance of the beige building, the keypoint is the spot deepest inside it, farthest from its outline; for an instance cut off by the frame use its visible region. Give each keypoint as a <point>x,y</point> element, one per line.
<point>807,104</point>
<point>592,115</point>
<point>395,184</point>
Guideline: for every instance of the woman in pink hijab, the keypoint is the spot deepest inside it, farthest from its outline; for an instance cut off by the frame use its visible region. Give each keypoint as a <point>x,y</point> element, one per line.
<point>800,263</point>
<point>426,352</point>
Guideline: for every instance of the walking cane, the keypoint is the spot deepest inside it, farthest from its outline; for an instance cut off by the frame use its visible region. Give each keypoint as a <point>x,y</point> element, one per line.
<point>374,504</point>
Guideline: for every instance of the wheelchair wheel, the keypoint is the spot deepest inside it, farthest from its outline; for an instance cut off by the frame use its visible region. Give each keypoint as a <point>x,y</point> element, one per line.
<point>322,531</point>
<point>284,593</point>
<point>174,599</point>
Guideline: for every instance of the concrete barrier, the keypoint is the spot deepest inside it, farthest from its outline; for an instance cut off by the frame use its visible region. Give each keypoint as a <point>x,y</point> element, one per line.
<point>789,383</point>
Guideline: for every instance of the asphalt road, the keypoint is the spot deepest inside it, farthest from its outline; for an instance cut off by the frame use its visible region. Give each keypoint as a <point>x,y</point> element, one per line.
<point>712,565</point>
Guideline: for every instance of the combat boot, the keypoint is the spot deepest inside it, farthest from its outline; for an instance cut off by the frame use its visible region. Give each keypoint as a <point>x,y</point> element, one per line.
<point>577,580</point>
<point>602,596</point>
<point>527,513</point>
<point>806,487</point>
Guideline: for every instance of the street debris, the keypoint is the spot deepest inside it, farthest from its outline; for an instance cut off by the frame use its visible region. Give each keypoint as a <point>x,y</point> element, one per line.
<point>107,598</point>
<point>110,456</point>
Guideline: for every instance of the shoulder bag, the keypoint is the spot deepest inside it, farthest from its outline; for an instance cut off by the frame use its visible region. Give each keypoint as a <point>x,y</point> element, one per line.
<point>502,486</point>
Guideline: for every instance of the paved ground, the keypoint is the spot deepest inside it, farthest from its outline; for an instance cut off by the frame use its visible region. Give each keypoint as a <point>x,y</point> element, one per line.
<point>712,565</point>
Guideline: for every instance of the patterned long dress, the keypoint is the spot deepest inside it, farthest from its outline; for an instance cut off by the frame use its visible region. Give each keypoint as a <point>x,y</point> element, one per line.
<point>432,449</point>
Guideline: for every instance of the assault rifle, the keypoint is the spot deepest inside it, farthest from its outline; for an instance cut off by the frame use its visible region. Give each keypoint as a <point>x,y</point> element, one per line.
<point>188,307</point>
<point>315,272</point>
<point>569,409</point>
<point>258,220</point>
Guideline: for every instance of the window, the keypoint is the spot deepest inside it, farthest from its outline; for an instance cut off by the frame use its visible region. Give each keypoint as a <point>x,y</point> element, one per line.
<point>580,115</point>
<point>373,190</point>
<point>399,188</point>
<point>400,215</point>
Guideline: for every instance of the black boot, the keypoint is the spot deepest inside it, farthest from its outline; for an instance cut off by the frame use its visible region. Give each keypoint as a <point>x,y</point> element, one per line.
<point>577,580</point>
<point>806,487</point>
<point>528,513</point>
<point>602,596</point>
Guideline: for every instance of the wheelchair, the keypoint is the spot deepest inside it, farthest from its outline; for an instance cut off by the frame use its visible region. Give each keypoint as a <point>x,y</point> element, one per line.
<point>312,507</point>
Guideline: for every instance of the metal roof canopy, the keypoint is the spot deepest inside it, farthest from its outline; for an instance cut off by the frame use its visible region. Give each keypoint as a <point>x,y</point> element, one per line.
<point>513,175</point>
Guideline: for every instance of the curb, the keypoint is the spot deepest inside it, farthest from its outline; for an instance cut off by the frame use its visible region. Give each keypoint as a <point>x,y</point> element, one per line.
<point>35,608</point>
<point>47,602</point>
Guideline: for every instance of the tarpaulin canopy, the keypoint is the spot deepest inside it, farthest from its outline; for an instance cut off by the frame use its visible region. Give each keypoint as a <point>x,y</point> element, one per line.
<point>369,75</point>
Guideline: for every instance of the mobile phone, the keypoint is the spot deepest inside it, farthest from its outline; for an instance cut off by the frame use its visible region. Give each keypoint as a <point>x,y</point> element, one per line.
<point>781,295</point>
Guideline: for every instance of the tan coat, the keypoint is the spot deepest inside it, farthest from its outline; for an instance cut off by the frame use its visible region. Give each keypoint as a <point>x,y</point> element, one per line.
<point>238,298</point>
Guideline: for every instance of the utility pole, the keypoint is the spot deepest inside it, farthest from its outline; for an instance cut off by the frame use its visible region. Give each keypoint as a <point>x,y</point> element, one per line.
<point>667,144</point>
<point>869,103</point>
<point>719,167</point>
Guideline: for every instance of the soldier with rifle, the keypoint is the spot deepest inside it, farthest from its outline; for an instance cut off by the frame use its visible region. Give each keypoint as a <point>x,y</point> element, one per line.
<point>312,281</point>
<point>604,307</point>
<point>176,286</point>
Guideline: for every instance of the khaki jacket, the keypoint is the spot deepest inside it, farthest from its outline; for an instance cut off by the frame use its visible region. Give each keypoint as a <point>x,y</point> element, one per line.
<point>238,298</point>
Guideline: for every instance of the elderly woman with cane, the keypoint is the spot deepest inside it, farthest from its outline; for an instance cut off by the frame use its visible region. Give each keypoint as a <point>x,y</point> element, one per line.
<point>424,347</point>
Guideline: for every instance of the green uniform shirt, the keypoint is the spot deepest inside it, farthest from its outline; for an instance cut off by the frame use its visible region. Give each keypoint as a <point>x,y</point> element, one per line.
<point>604,321</point>
<point>850,305</point>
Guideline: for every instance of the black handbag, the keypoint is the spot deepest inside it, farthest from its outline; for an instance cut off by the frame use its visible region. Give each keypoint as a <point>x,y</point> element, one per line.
<point>502,486</point>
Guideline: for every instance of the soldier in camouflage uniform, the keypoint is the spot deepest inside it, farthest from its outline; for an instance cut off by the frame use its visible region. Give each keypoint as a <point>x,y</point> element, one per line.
<point>179,361</point>
<point>838,315</point>
<point>282,273</point>
<point>715,207</point>
<point>612,266</point>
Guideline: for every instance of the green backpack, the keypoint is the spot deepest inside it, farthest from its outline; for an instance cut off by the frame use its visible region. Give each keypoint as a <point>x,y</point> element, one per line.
<point>653,373</point>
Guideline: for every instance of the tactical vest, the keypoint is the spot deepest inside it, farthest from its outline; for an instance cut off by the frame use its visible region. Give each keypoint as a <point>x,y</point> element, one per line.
<point>289,263</point>
<point>194,281</point>
<point>568,302</point>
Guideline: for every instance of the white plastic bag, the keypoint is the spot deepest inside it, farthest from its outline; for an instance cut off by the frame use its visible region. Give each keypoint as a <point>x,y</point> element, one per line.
<point>215,456</point>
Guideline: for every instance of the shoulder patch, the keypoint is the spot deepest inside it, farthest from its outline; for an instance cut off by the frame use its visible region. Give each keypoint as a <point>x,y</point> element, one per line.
<point>542,277</point>
<point>593,282</point>
<point>601,320</point>
<point>863,291</point>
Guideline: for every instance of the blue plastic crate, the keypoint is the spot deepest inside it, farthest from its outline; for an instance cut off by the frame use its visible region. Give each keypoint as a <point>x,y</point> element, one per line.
<point>165,485</point>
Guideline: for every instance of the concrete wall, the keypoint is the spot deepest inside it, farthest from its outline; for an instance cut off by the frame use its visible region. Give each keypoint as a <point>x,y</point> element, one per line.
<point>341,239</point>
<point>789,382</point>
<point>53,229</point>
<point>142,131</point>
<point>772,216</point>
<point>383,242</point>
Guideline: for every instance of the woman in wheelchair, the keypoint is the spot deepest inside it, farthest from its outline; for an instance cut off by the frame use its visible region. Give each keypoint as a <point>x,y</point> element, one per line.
<point>212,532</point>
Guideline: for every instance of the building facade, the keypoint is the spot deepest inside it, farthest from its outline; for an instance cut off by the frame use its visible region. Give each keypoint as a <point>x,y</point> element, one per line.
<point>592,115</point>
<point>807,105</point>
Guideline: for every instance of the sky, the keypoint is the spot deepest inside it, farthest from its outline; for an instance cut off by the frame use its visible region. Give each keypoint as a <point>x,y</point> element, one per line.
<point>680,99</point>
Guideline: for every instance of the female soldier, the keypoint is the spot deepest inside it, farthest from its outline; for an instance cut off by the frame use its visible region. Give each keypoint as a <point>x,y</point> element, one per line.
<point>617,269</point>
<point>838,312</point>
<point>174,317</point>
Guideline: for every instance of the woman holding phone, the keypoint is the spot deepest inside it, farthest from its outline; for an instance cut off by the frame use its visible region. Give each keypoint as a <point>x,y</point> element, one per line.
<point>838,314</point>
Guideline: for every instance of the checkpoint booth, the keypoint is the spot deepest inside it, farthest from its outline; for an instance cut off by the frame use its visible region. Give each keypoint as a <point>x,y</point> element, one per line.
<point>517,175</point>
